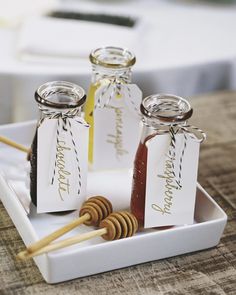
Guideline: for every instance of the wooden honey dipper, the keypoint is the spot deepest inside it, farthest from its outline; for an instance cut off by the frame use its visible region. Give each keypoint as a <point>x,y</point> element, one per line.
<point>92,212</point>
<point>14,144</point>
<point>117,225</point>
<point>17,146</point>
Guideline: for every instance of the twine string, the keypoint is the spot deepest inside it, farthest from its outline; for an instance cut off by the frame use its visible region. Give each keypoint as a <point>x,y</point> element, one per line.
<point>116,83</point>
<point>63,123</point>
<point>193,132</point>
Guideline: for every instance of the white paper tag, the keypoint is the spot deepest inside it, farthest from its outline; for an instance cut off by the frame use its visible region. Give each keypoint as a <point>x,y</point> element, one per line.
<point>68,190</point>
<point>166,203</point>
<point>116,127</point>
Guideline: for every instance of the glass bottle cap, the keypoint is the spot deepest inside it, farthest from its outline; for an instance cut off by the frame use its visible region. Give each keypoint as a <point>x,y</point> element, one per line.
<point>60,95</point>
<point>112,57</point>
<point>166,108</point>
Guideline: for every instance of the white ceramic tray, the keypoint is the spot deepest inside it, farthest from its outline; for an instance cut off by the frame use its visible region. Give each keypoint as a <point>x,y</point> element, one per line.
<point>97,255</point>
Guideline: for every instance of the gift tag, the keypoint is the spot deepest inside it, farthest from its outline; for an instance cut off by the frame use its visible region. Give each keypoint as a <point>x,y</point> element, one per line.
<point>116,126</point>
<point>134,98</point>
<point>61,165</point>
<point>171,182</point>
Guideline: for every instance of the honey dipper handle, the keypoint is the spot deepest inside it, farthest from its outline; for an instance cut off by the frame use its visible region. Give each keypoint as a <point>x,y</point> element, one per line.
<point>14,144</point>
<point>58,233</point>
<point>62,244</point>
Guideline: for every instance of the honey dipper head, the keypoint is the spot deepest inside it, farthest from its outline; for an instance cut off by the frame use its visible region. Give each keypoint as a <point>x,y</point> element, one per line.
<point>98,208</point>
<point>119,225</point>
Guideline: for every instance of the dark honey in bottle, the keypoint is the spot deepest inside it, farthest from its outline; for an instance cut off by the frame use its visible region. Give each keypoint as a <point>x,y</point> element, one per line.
<point>33,170</point>
<point>54,100</point>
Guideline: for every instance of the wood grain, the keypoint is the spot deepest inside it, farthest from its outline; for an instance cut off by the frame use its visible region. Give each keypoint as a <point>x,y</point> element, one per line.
<point>212,271</point>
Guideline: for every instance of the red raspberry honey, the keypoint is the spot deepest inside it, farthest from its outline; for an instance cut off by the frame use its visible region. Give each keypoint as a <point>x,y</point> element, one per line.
<point>159,112</point>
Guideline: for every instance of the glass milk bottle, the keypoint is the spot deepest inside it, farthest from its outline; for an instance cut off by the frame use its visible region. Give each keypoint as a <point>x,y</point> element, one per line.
<point>159,113</point>
<point>112,109</point>
<point>57,162</point>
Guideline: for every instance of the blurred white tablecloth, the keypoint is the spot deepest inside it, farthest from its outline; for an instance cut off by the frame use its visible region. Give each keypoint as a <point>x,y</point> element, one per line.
<point>186,48</point>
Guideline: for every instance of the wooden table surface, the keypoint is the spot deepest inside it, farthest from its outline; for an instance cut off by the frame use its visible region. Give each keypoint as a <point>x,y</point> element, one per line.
<point>211,271</point>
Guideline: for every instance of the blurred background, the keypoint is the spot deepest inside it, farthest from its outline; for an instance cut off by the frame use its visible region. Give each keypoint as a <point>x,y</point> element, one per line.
<point>182,47</point>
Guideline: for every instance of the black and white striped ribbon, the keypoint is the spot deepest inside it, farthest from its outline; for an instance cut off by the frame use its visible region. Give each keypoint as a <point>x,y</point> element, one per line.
<point>114,84</point>
<point>173,129</point>
<point>64,123</point>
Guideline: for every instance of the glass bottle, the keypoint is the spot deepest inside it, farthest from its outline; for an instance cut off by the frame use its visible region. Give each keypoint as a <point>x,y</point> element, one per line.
<point>109,64</point>
<point>159,112</point>
<point>56,97</point>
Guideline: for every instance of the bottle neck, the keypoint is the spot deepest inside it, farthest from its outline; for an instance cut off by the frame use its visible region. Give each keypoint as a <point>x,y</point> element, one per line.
<point>152,128</point>
<point>100,73</point>
<point>47,112</point>
<point>59,99</point>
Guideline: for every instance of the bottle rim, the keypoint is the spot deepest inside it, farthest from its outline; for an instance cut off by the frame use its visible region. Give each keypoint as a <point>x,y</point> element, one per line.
<point>112,57</point>
<point>73,91</point>
<point>180,113</point>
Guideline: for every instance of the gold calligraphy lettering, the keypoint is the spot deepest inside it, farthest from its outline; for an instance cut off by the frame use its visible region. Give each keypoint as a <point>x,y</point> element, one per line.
<point>63,180</point>
<point>169,178</point>
<point>117,138</point>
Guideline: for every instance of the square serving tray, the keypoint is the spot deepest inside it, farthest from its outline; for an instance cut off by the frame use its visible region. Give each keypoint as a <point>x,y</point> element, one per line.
<point>96,255</point>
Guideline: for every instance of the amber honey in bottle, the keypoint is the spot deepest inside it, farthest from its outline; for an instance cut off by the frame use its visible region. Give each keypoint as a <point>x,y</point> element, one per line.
<point>110,145</point>
<point>159,112</point>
